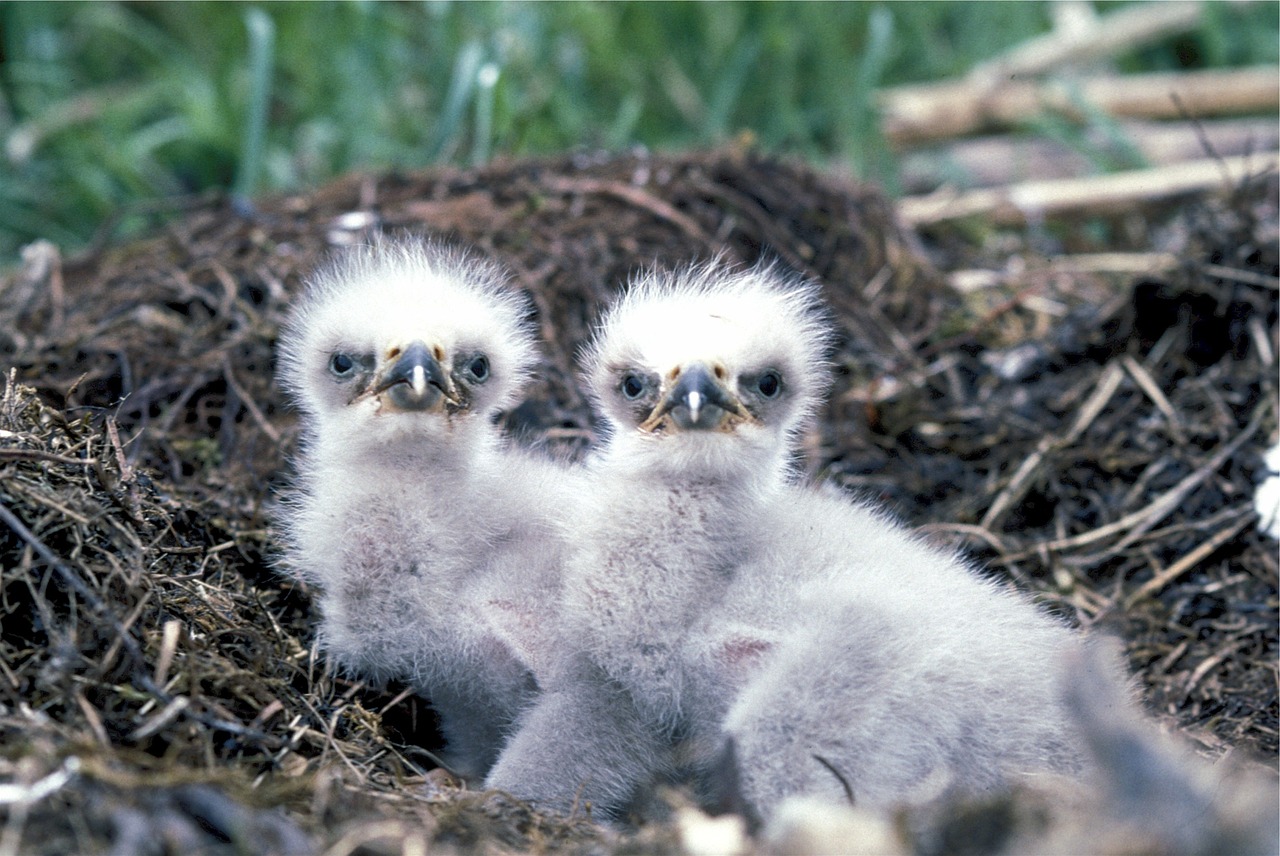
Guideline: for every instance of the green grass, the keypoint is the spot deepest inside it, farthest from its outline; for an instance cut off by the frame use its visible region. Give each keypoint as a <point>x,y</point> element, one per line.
<point>103,104</point>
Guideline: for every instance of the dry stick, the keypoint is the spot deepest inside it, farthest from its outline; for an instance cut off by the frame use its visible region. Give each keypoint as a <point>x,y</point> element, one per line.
<point>168,648</point>
<point>329,741</point>
<point>922,113</point>
<point>1102,194</point>
<point>37,455</point>
<point>1244,277</point>
<point>104,665</point>
<point>969,280</point>
<point>1019,483</point>
<point>1190,560</point>
<point>9,676</point>
<point>247,400</point>
<point>95,721</point>
<point>991,161</point>
<point>126,472</point>
<point>167,715</point>
<point>749,208</point>
<point>123,635</point>
<point>1107,35</point>
<point>1211,663</point>
<point>1148,384</point>
<point>408,836</point>
<point>1140,521</point>
<point>1167,505</point>
<point>965,530</point>
<point>634,196</point>
<point>18,487</point>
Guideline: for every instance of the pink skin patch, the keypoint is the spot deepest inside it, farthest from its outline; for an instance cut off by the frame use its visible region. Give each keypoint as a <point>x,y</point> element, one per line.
<point>743,652</point>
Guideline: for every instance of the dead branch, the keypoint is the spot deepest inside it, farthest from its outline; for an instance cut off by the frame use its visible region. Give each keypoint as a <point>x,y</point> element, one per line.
<point>1004,159</point>
<point>1021,481</point>
<point>1096,195</point>
<point>920,113</point>
<point>1191,559</point>
<point>1079,264</point>
<point>1103,36</point>
<point>39,455</point>
<point>633,195</point>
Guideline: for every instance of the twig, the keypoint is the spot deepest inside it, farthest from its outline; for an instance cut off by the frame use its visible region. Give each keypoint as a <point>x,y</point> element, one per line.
<point>1245,277</point>
<point>168,648</point>
<point>1148,384</point>
<point>69,577</point>
<point>400,696</point>
<point>123,635</point>
<point>95,721</point>
<point>1021,480</point>
<point>936,111</point>
<point>1106,35</point>
<point>16,486</point>
<point>1211,663</point>
<point>1140,521</point>
<point>126,471</point>
<point>407,836</point>
<point>1103,194</point>
<point>1163,506</point>
<point>764,220</point>
<point>965,530</point>
<point>633,195</point>
<point>969,280</point>
<point>11,794</point>
<point>171,711</point>
<point>1190,560</point>
<point>248,402</point>
<point>992,161</point>
<point>37,455</point>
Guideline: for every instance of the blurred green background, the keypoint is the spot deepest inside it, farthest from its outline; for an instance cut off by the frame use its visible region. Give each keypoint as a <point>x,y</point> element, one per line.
<point>104,105</point>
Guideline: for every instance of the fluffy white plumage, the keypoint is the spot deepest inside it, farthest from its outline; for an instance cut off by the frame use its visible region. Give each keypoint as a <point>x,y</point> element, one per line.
<point>710,597</point>
<point>704,378</point>
<point>416,521</point>
<point>899,672</point>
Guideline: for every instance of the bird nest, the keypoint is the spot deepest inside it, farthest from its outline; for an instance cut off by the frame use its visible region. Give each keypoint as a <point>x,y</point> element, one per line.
<point>1097,438</point>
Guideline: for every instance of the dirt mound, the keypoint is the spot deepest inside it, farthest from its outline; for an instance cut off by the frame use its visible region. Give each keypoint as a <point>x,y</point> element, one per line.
<point>1095,440</point>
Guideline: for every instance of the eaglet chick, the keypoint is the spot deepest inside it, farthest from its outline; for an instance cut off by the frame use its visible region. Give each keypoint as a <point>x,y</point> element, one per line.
<point>712,601</point>
<point>413,517</point>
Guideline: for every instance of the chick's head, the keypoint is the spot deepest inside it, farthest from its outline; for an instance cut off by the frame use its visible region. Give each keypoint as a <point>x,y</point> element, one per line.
<point>405,339</point>
<point>710,370</point>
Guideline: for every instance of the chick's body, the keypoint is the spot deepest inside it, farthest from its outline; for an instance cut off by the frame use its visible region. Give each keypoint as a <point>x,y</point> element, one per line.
<point>413,517</point>
<point>700,422</point>
<point>898,673</point>
<point>713,603</point>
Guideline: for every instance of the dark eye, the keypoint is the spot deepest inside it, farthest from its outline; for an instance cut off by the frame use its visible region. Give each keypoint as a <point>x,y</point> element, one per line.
<point>342,365</point>
<point>478,368</point>
<point>769,384</point>
<point>632,387</point>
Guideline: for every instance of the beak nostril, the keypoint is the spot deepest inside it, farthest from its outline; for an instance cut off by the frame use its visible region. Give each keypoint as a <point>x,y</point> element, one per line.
<point>394,353</point>
<point>438,353</point>
<point>719,372</point>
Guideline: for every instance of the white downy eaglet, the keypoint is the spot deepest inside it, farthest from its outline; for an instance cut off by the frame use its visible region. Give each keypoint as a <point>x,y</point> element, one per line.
<point>413,517</point>
<point>711,597</point>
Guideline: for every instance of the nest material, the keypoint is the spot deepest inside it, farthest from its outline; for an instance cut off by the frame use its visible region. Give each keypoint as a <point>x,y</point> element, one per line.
<point>1096,444</point>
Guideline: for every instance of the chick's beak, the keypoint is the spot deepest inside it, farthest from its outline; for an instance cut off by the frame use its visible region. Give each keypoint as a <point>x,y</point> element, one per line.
<point>415,381</point>
<point>696,402</point>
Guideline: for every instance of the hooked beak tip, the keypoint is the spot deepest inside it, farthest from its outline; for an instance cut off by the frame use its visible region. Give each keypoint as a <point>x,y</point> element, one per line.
<point>694,402</point>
